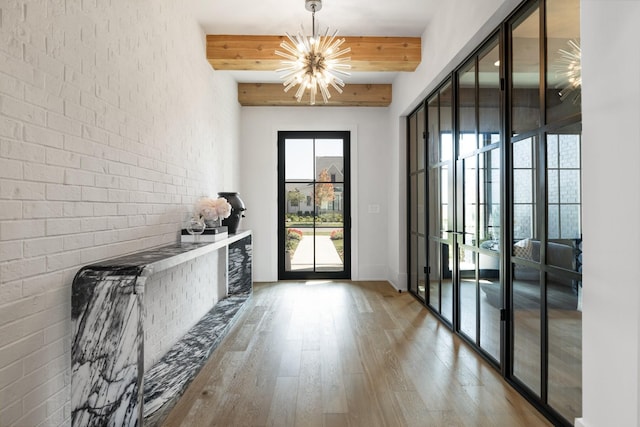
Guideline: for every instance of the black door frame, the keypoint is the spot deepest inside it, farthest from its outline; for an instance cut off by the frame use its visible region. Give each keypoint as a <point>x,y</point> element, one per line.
<point>345,136</point>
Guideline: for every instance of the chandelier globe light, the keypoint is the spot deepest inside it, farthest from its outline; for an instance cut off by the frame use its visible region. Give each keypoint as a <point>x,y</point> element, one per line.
<point>315,62</point>
<point>569,70</point>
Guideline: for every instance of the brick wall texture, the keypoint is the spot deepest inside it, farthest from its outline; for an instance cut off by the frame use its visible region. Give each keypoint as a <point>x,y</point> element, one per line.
<point>112,123</point>
<point>176,299</point>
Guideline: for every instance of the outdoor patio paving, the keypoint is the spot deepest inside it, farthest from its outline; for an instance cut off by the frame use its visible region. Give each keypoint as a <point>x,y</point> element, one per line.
<point>327,258</point>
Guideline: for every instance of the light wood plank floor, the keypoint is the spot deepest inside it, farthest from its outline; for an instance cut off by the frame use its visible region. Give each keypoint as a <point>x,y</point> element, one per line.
<point>346,354</point>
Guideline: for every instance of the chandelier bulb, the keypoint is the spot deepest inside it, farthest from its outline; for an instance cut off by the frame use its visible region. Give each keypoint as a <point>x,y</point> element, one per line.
<point>313,60</point>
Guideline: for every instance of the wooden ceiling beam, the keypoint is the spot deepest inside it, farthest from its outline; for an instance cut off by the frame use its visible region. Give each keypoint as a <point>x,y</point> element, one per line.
<point>353,95</point>
<point>257,53</point>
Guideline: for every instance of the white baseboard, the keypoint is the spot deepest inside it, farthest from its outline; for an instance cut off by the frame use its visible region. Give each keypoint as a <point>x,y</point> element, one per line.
<point>395,286</point>
<point>578,422</point>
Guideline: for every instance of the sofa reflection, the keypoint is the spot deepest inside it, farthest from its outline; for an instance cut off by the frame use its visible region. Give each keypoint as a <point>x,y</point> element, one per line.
<point>562,287</point>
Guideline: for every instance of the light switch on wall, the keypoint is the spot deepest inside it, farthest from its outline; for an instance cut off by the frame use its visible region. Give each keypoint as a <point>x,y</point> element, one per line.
<point>373,208</point>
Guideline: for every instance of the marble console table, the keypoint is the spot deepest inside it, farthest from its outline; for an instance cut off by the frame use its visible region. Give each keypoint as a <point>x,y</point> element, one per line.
<point>110,386</point>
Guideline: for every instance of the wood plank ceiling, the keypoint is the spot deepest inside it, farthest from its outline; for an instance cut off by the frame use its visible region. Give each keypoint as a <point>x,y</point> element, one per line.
<point>257,53</point>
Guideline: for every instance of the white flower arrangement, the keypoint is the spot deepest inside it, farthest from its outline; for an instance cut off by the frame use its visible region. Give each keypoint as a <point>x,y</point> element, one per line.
<point>212,209</point>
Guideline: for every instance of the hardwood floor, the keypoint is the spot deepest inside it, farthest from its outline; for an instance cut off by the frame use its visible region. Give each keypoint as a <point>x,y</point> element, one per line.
<point>346,354</point>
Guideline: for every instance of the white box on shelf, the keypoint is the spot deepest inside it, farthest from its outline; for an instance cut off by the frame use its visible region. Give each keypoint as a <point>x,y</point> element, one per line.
<point>201,238</point>
<point>210,235</point>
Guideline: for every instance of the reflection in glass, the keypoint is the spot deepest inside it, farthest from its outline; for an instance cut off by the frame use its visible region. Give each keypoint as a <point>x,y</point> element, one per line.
<point>564,290</point>
<point>413,277</point>
<point>413,215</point>
<point>525,74</point>
<point>526,326</point>
<point>470,200</point>
<point>434,200</point>
<point>563,97</point>
<point>422,263</point>
<point>434,275</point>
<point>444,201</point>
<point>467,109</point>
<point>565,348</point>
<point>490,304</point>
<point>420,203</point>
<point>523,190</point>
<point>468,295</point>
<point>446,266</point>
<point>489,100</point>
<point>564,185</point>
<point>413,150</point>
<point>489,193</point>
<point>433,123</point>
<point>420,131</point>
<point>446,125</point>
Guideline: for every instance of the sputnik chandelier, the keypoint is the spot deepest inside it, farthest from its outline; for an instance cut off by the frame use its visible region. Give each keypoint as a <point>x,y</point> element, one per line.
<point>313,62</point>
<point>569,69</point>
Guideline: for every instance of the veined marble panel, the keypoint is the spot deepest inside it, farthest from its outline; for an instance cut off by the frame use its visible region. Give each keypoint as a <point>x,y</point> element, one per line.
<point>108,334</point>
<point>107,347</point>
<point>168,379</point>
<point>240,273</point>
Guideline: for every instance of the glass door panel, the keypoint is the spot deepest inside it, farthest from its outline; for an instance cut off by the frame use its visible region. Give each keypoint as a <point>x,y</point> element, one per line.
<point>470,187</point>
<point>422,265</point>
<point>525,75</point>
<point>489,97</point>
<point>489,199</point>
<point>468,293</point>
<point>564,254</point>
<point>314,178</point>
<point>564,70</point>
<point>526,328</point>
<point>481,292</point>
<point>526,273</point>
<point>467,255</point>
<point>467,109</point>
<point>435,276</point>
<point>512,285</point>
<point>417,196</point>
<point>439,183</point>
<point>446,272</point>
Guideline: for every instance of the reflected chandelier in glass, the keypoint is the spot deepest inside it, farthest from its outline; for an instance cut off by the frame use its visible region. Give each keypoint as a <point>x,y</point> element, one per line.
<point>569,69</point>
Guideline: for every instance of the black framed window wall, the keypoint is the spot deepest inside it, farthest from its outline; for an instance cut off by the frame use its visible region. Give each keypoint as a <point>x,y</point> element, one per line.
<point>503,204</point>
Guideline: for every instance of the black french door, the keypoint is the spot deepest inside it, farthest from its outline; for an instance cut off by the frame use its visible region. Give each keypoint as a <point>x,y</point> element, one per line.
<point>314,236</point>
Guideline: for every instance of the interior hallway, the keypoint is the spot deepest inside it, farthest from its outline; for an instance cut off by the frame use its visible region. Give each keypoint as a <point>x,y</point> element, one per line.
<point>346,354</point>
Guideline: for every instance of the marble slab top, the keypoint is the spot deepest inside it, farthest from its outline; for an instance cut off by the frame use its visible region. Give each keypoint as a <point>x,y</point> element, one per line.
<point>162,258</point>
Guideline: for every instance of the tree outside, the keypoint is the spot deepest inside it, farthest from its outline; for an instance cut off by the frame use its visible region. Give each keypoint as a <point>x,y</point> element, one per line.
<point>324,192</point>
<point>295,197</point>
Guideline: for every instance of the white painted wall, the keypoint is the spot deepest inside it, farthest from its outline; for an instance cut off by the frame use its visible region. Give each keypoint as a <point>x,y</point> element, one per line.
<point>111,124</point>
<point>371,170</point>
<point>611,212</point>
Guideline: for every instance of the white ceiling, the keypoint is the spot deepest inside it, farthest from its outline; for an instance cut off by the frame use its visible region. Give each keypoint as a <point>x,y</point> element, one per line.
<point>401,18</point>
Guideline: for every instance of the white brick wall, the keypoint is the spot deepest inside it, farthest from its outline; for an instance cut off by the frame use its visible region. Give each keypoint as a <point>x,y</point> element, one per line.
<point>175,299</point>
<point>111,124</point>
